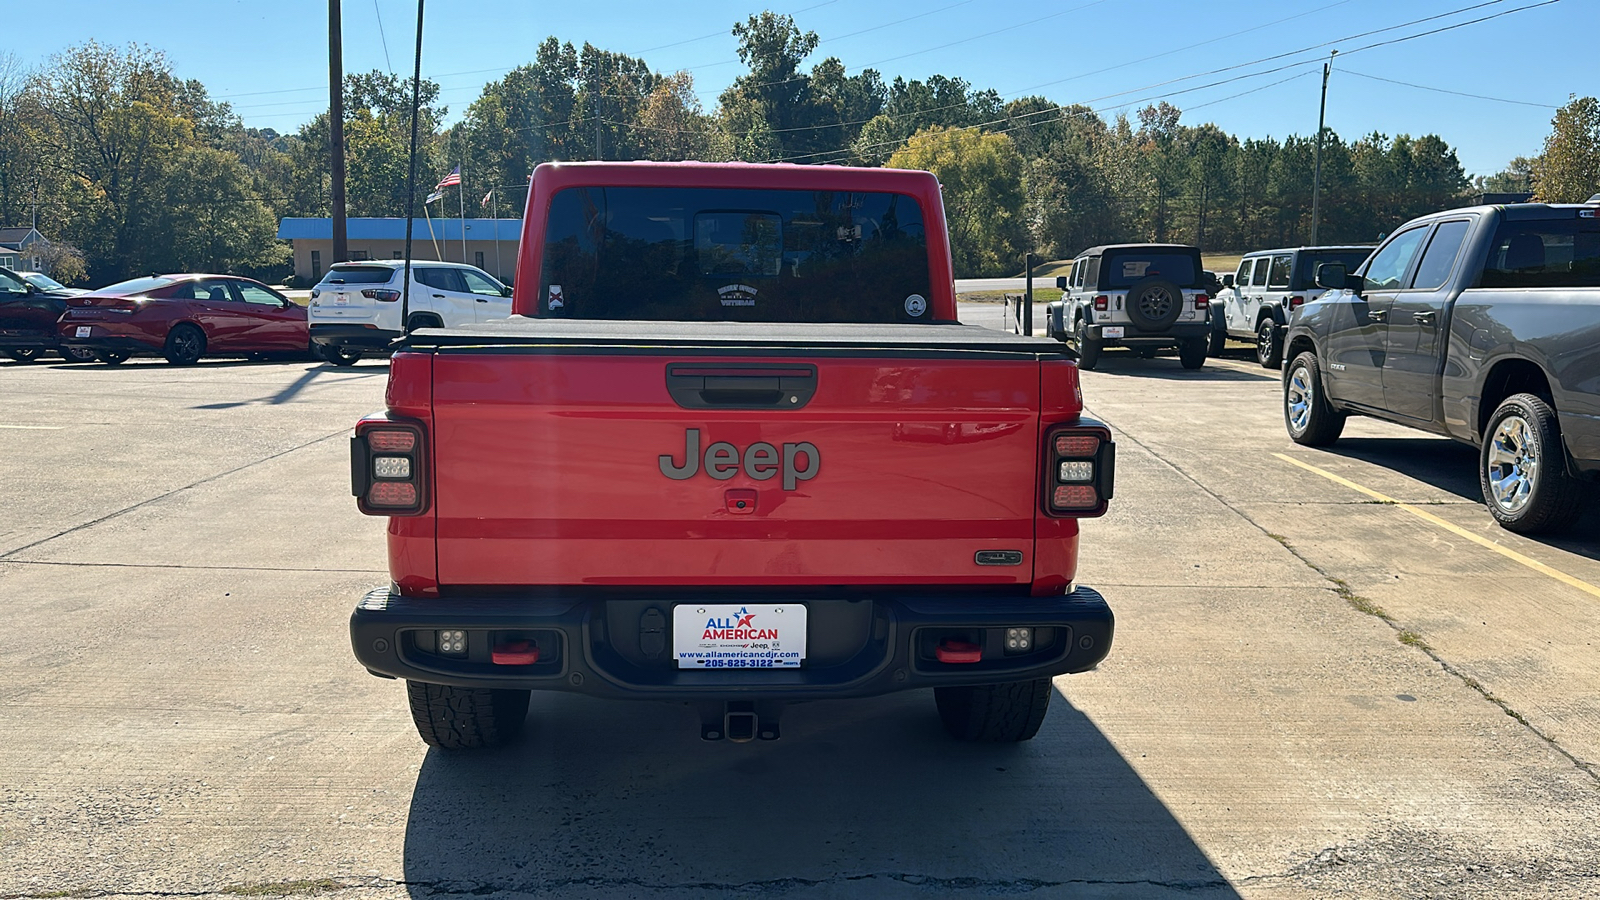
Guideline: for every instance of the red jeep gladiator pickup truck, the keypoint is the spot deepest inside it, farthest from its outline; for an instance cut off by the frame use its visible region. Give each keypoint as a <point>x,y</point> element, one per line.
<point>734,450</point>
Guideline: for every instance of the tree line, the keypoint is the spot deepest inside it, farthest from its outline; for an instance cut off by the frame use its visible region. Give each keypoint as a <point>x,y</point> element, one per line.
<point>134,169</point>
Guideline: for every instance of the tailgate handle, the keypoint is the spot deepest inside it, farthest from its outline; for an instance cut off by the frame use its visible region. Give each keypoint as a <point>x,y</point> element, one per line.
<point>699,386</point>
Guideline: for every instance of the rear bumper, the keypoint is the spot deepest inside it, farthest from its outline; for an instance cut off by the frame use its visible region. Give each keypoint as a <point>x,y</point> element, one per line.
<point>857,647</point>
<point>27,340</point>
<point>367,337</point>
<point>1132,335</point>
<point>113,343</point>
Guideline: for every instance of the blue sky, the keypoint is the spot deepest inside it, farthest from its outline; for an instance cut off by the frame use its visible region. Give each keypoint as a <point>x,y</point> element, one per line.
<point>269,58</point>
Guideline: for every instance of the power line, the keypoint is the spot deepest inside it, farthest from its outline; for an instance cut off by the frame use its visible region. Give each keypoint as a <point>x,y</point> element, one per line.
<point>1423,87</point>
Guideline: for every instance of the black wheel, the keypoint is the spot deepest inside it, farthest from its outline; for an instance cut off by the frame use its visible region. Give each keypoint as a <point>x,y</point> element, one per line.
<point>1219,336</point>
<point>1522,469</point>
<point>1192,352</point>
<point>111,357</point>
<point>994,713</point>
<point>77,354</point>
<point>1154,304</point>
<point>465,718</point>
<point>340,356</point>
<point>1311,420</point>
<point>25,356</point>
<point>1088,347</point>
<point>1269,346</point>
<point>185,345</point>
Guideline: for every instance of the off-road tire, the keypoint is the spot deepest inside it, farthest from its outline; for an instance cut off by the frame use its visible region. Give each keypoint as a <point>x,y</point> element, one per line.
<point>994,713</point>
<point>1318,424</point>
<point>1269,344</point>
<point>1552,499</point>
<point>185,345</point>
<point>27,355</point>
<point>1154,304</point>
<point>454,718</point>
<point>1218,341</point>
<point>1088,348</point>
<point>111,357</point>
<point>1192,352</point>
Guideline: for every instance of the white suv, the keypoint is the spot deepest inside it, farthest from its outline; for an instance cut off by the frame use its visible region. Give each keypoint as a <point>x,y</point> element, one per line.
<point>1254,304</point>
<point>1145,297</point>
<point>356,306</point>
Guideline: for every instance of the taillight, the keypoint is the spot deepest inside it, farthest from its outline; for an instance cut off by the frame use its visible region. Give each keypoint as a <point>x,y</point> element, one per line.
<point>388,471</point>
<point>381,294</point>
<point>1296,302</point>
<point>1082,468</point>
<point>1201,301</point>
<point>1102,302</point>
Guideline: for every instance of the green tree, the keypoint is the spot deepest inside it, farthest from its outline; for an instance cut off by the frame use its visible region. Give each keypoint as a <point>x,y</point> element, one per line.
<point>212,222</point>
<point>983,195</point>
<point>1568,171</point>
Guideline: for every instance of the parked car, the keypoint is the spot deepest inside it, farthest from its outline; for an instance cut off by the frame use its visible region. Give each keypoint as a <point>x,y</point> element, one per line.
<point>1143,296</point>
<point>734,450</point>
<point>28,315</point>
<point>1254,303</point>
<point>184,318</point>
<point>355,308</point>
<point>1481,324</point>
<point>45,283</point>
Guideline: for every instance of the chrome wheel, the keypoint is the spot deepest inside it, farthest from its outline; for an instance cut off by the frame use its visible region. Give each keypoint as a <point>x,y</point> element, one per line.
<point>1297,397</point>
<point>1512,464</point>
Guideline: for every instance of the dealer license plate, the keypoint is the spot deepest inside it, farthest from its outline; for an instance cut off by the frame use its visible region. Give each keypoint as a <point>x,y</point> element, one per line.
<point>341,300</point>
<point>1111,331</point>
<point>739,635</point>
<point>84,330</point>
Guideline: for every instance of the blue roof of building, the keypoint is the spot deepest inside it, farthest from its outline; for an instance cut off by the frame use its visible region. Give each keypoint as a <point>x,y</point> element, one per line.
<point>364,229</point>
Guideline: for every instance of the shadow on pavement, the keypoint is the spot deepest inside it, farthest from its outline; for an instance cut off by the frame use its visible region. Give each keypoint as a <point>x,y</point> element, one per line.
<point>1453,467</point>
<point>312,373</point>
<point>1124,363</point>
<point>859,798</point>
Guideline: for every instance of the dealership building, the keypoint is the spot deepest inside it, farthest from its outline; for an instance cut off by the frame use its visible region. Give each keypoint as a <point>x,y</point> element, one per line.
<point>491,244</point>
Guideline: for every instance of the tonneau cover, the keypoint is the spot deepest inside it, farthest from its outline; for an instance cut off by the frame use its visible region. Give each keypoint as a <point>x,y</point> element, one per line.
<point>525,331</point>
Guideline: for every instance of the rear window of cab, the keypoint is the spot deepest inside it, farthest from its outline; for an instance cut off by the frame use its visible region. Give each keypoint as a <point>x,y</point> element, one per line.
<point>724,254</point>
<point>1123,269</point>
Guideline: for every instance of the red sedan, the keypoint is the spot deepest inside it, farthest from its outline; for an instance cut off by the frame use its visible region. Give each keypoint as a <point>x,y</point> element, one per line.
<point>184,317</point>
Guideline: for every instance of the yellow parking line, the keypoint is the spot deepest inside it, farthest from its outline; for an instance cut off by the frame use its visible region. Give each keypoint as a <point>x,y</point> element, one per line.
<point>1244,369</point>
<point>1479,539</point>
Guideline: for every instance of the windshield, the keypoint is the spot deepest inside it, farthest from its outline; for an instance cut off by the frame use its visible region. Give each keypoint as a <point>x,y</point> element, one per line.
<point>359,275</point>
<point>706,254</point>
<point>1122,268</point>
<point>1305,276</point>
<point>44,282</point>
<point>1545,253</point>
<point>137,285</point>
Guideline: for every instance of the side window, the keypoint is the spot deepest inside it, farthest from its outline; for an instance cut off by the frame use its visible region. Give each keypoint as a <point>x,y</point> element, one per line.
<point>1545,253</point>
<point>478,284</point>
<point>1440,257</point>
<point>213,290</point>
<point>1278,276</point>
<point>1389,264</point>
<point>436,278</point>
<point>1078,268</point>
<point>256,294</point>
<point>1260,277</point>
<point>1242,279</point>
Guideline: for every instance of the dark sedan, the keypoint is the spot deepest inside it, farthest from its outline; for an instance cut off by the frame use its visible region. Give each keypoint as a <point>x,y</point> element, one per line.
<point>184,318</point>
<point>28,317</point>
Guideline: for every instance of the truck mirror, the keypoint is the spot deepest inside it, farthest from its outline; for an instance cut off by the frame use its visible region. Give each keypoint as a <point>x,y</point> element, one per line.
<point>1061,282</point>
<point>1227,280</point>
<point>1332,276</point>
<point>505,290</point>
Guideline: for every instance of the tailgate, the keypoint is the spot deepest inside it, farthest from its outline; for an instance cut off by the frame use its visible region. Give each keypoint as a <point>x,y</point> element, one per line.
<point>582,467</point>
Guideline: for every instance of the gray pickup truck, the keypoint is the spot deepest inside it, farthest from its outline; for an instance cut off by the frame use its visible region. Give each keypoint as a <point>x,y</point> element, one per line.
<point>1481,324</point>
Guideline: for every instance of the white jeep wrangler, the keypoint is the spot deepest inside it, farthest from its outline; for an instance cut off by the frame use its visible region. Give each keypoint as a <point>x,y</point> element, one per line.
<point>1145,297</point>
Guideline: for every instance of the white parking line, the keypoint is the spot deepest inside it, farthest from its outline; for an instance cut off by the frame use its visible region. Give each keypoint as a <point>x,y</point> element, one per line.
<point>35,427</point>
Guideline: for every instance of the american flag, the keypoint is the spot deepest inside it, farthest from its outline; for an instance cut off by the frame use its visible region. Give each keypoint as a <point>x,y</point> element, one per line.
<point>453,178</point>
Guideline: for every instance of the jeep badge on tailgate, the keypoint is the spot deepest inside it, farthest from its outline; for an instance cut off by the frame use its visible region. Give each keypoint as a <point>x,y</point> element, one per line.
<point>760,461</point>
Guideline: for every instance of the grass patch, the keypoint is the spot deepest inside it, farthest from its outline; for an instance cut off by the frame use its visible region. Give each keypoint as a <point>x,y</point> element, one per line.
<point>285,888</point>
<point>1412,639</point>
<point>1040,295</point>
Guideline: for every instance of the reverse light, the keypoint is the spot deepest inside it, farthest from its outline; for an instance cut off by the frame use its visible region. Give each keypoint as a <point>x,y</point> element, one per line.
<point>1076,470</point>
<point>387,470</point>
<point>1082,467</point>
<point>1019,640</point>
<point>399,467</point>
<point>452,642</point>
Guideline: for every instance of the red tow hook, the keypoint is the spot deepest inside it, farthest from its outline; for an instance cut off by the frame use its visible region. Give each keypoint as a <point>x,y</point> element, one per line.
<point>515,653</point>
<point>954,651</point>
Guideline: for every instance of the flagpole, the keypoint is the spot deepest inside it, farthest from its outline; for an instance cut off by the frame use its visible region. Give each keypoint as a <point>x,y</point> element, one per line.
<point>431,236</point>
<point>461,197</point>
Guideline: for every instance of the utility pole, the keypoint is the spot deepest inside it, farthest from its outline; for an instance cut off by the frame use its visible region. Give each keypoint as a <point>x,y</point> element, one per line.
<point>411,174</point>
<point>341,250</point>
<point>1316,179</point>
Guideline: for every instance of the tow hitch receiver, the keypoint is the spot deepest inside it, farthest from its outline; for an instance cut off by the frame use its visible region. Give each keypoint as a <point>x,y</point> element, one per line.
<point>739,721</point>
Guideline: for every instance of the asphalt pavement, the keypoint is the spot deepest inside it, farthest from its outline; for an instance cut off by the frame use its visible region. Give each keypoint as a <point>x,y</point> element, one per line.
<point>1333,676</point>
